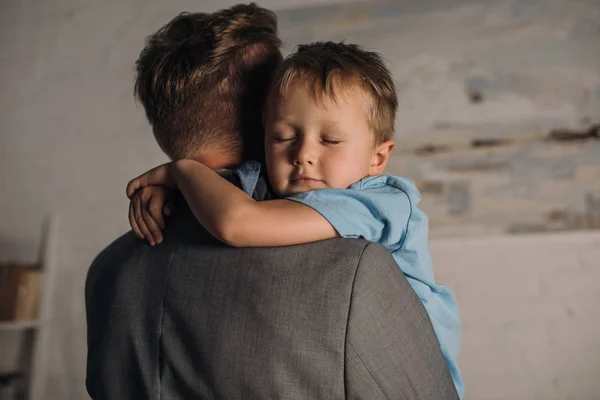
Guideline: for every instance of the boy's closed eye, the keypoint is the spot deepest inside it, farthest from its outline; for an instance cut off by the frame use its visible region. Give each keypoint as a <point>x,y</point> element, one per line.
<point>332,141</point>
<point>283,138</point>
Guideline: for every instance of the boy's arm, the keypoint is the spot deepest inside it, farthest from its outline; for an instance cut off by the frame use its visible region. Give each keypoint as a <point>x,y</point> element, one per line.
<point>232,216</point>
<point>235,218</point>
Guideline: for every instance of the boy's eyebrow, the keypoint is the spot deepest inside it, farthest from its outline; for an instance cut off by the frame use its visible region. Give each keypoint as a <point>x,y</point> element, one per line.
<point>284,121</point>
<point>287,120</point>
<point>332,125</point>
<point>329,122</point>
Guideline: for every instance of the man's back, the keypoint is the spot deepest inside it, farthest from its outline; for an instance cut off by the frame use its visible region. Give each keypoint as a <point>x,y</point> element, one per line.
<point>193,318</point>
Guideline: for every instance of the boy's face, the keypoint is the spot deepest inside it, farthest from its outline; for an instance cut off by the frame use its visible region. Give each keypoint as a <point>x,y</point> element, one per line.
<point>309,145</point>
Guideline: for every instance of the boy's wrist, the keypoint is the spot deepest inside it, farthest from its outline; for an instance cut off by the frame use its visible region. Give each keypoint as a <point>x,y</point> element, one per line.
<point>178,167</point>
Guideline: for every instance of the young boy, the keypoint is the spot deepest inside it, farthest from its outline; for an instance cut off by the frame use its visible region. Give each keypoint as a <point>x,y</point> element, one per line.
<point>329,124</point>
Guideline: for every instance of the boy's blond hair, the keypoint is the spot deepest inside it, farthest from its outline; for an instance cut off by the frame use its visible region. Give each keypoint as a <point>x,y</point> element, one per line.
<point>328,69</point>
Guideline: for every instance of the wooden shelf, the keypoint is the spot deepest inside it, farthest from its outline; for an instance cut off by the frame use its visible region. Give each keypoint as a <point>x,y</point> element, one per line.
<point>18,325</point>
<point>34,361</point>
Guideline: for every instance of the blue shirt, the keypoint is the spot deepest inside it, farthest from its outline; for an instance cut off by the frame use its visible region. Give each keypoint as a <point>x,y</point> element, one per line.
<point>382,209</point>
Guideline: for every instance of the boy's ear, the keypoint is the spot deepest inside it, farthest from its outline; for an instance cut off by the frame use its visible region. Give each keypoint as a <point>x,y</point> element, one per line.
<point>381,155</point>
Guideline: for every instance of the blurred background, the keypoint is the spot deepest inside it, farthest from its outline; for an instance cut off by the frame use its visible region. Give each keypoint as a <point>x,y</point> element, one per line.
<point>498,124</point>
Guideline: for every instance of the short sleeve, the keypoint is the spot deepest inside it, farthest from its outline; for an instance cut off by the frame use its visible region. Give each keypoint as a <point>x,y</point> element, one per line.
<point>374,209</point>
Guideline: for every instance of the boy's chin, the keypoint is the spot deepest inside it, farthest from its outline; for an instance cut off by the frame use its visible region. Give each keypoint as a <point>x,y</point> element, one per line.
<point>301,187</point>
<point>290,191</point>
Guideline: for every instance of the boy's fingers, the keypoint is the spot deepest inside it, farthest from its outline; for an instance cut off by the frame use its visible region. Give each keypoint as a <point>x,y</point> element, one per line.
<point>134,225</point>
<point>168,208</point>
<point>155,209</point>
<point>149,221</point>
<point>135,184</point>
<point>131,188</point>
<point>152,227</point>
<point>139,218</point>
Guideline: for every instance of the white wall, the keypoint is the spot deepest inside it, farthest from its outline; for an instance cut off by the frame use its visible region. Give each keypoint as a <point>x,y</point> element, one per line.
<point>529,307</point>
<point>72,136</point>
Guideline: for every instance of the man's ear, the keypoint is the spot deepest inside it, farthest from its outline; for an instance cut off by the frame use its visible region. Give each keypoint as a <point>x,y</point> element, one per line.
<point>381,155</point>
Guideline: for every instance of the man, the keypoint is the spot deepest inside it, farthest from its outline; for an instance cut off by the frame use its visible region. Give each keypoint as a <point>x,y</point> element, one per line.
<point>192,318</point>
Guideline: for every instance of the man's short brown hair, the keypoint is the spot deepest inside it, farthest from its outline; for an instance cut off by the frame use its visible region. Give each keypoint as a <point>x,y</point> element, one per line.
<point>328,68</point>
<point>203,80</point>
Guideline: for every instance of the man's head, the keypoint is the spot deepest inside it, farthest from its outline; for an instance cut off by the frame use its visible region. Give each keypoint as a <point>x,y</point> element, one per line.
<point>329,119</point>
<point>203,80</point>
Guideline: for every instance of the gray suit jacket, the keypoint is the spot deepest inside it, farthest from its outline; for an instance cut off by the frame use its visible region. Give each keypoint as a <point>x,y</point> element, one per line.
<point>194,319</point>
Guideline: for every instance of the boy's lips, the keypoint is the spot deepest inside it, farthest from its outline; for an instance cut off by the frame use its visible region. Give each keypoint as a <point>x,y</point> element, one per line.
<point>304,178</point>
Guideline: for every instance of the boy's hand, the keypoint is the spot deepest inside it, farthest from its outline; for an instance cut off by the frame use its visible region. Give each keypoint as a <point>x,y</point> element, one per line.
<point>146,210</point>
<point>159,176</point>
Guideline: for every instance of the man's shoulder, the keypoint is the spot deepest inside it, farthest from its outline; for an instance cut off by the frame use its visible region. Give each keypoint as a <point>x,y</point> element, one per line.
<point>332,249</point>
<point>337,256</point>
<point>110,255</point>
<point>126,241</point>
<point>335,253</point>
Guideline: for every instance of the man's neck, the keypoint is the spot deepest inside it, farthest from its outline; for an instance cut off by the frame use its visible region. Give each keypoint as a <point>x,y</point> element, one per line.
<point>219,159</point>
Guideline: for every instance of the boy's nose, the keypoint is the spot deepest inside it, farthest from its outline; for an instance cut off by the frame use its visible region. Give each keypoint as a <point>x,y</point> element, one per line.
<point>303,154</point>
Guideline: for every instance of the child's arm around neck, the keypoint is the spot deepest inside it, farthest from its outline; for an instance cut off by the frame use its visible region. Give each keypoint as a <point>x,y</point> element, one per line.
<point>235,218</point>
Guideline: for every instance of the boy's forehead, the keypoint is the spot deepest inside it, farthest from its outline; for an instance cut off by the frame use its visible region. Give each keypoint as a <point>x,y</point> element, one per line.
<point>325,120</point>
<point>349,107</point>
<point>327,101</point>
<point>333,94</point>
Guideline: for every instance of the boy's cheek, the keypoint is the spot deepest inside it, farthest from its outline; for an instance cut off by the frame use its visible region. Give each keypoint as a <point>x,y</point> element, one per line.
<point>277,161</point>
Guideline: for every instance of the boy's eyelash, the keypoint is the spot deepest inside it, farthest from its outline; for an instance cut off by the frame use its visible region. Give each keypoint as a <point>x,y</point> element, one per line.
<point>329,141</point>
<point>283,139</point>
<point>280,139</point>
